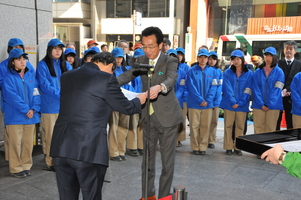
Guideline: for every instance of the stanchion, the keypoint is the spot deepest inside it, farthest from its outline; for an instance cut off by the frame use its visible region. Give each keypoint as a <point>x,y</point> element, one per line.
<point>179,193</point>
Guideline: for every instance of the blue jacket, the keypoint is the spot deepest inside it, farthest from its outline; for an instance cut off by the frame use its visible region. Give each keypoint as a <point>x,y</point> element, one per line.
<point>180,87</point>
<point>218,96</point>
<point>20,96</point>
<point>120,70</point>
<point>267,91</point>
<point>296,94</point>
<point>201,86</point>
<point>4,69</point>
<point>236,90</point>
<point>49,86</point>
<point>136,83</point>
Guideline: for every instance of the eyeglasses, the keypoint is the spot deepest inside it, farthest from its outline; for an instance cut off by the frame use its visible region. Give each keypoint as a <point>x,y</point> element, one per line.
<point>149,47</point>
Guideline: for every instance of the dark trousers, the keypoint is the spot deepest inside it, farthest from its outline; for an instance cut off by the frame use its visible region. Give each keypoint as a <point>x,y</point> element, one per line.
<point>73,175</point>
<point>287,105</point>
<point>167,137</point>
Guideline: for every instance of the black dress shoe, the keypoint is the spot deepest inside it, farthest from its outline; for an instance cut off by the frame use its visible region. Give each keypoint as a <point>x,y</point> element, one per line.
<point>134,152</point>
<point>140,152</point>
<point>27,172</point>
<point>122,157</point>
<point>117,158</point>
<point>49,168</point>
<point>18,175</point>
<point>229,152</point>
<point>238,152</point>
<point>211,146</point>
<point>202,153</point>
<point>179,144</point>
<point>194,152</point>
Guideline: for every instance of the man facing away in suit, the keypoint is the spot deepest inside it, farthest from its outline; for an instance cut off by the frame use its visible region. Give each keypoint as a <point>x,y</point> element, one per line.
<point>165,112</point>
<point>79,144</point>
<point>290,67</point>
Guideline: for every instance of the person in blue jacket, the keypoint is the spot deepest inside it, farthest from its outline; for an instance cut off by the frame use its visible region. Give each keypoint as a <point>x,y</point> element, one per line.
<point>49,72</point>
<point>296,100</point>
<point>237,84</point>
<point>21,106</point>
<point>134,140</point>
<point>201,86</point>
<point>119,123</point>
<point>70,57</point>
<point>213,62</point>
<point>13,43</point>
<point>183,68</point>
<point>268,82</point>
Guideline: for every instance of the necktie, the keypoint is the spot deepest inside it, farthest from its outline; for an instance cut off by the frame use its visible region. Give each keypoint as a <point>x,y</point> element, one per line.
<point>151,70</point>
<point>289,63</point>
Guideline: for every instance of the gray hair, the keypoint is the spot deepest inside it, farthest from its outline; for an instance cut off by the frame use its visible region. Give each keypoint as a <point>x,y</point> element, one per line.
<point>118,44</point>
<point>291,43</point>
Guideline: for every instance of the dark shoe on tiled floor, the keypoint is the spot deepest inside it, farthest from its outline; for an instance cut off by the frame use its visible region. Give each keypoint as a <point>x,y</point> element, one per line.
<point>229,152</point>
<point>27,172</point>
<point>211,146</point>
<point>122,157</point>
<point>202,153</point>
<point>140,152</point>
<point>19,175</point>
<point>49,168</point>
<point>117,158</point>
<point>238,152</point>
<point>179,144</point>
<point>194,152</point>
<point>134,152</point>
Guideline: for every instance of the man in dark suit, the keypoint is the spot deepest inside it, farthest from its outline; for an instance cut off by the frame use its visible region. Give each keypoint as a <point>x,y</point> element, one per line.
<point>165,115</point>
<point>79,144</point>
<point>290,67</point>
<point>127,60</point>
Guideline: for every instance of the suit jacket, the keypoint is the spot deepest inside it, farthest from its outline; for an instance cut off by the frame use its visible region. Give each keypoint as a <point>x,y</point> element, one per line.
<point>127,61</point>
<point>88,96</point>
<point>289,73</point>
<point>166,106</point>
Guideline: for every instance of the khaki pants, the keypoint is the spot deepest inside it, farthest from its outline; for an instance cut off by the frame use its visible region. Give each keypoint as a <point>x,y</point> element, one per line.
<point>199,121</point>
<point>20,147</point>
<point>213,125</point>
<point>181,136</point>
<point>6,144</point>
<point>265,121</point>
<point>118,131</point>
<point>296,121</point>
<point>135,135</point>
<point>229,119</point>
<point>47,124</point>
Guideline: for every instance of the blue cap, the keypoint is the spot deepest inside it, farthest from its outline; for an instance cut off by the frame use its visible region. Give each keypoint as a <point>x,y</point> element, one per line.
<point>203,52</point>
<point>92,50</point>
<point>213,53</point>
<point>55,42</point>
<point>69,51</point>
<point>170,51</point>
<point>16,53</point>
<point>14,42</point>
<point>138,52</point>
<point>117,52</point>
<point>180,49</point>
<point>270,50</point>
<point>237,53</point>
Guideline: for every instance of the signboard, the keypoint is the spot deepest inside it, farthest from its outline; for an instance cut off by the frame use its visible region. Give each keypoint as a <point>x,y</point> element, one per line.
<point>32,51</point>
<point>188,47</point>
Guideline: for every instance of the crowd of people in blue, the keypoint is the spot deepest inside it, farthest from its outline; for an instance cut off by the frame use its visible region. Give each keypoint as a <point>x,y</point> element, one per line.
<point>33,96</point>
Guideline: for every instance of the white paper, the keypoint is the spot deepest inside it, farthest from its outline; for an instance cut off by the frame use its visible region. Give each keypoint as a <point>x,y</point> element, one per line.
<point>128,94</point>
<point>292,146</point>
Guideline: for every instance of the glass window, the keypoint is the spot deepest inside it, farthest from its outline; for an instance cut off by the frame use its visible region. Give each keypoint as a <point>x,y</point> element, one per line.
<point>123,8</point>
<point>228,47</point>
<point>110,8</point>
<point>159,8</point>
<point>140,6</point>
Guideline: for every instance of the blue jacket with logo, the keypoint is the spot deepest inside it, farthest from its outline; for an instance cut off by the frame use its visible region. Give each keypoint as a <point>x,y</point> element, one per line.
<point>236,90</point>
<point>180,87</point>
<point>296,94</point>
<point>267,91</point>
<point>218,96</point>
<point>201,86</point>
<point>20,96</point>
<point>49,86</point>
